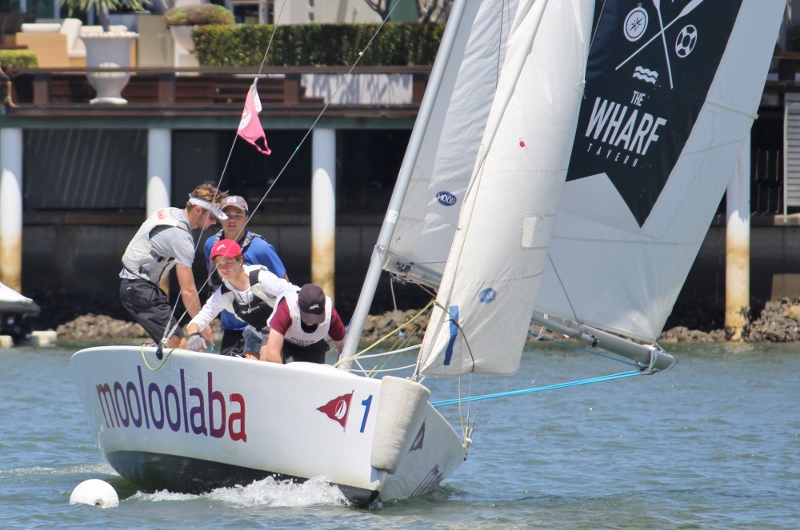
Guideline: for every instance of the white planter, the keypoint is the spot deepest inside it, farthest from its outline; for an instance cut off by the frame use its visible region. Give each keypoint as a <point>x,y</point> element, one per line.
<point>183,36</point>
<point>109,50</point>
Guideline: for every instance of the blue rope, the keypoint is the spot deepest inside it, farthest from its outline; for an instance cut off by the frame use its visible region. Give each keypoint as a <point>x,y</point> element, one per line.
<point>600,379</point>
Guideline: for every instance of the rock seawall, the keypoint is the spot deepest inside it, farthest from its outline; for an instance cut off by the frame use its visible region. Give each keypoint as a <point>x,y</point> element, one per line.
<point>778,322</point>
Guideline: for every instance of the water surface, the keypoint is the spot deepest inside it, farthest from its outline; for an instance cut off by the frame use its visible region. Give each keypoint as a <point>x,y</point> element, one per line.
<point>714,443</point>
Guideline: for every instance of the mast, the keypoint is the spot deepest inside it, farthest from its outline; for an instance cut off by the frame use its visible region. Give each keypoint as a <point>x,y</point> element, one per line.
<point>401,186</point>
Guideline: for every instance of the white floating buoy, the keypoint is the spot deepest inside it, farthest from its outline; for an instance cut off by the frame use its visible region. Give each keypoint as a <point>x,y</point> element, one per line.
<point>44,338</point>
<point>95,492</point>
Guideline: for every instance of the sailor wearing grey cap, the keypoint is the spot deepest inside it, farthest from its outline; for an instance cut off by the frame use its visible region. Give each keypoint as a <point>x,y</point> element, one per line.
<point>256,251</point>
<point>300,326</point>
<point>165,240</point>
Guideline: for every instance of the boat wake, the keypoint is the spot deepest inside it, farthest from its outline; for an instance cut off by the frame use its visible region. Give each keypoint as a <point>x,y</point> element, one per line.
<point>266,492</point>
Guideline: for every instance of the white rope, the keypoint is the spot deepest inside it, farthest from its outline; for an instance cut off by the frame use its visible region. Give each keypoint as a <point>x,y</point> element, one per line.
<point>384,369</point>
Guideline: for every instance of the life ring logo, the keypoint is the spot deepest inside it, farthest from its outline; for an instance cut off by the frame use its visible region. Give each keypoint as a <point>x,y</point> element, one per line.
<point>684,43</point>
<point>446,198</point>
<point>487,295</point>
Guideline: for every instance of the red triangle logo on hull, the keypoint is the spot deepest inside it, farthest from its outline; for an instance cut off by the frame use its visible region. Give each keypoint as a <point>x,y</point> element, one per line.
<point>338,409</point>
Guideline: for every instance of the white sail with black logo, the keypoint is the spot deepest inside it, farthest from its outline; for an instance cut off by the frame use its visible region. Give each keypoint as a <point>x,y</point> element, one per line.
<point>671,93</point>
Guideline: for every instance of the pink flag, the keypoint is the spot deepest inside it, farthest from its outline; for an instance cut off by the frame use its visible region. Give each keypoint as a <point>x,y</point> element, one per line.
<point>250,128</point>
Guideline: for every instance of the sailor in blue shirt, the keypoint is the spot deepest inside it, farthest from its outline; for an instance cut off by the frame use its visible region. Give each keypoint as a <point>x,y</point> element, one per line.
<point>256,251</point>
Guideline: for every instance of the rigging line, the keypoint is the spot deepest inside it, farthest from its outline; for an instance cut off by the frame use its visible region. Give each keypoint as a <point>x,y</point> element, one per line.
<point>394,359</point>
<point>478,409</point>
<point>169,332</point>
<point>598,24</point>
<point>236,136</point>
<point>274,29</point>
<point>319,116</point>
<point>621,375</point>
<point>296,149</point>
<point>160,366</point>
<point>568,345</point>
<point>412,319</point>
<point>394,306</point>
<point>464,437</point>
<point>563,287</point>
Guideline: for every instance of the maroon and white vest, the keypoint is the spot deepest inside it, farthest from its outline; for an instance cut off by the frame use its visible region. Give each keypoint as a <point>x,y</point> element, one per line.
<point>295,333</point>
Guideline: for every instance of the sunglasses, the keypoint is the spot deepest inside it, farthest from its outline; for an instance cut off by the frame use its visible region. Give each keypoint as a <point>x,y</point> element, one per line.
<point>211,216</point>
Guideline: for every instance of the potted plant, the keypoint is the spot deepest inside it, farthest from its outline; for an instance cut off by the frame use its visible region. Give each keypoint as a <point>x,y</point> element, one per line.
<point>107,49</point>
<point>182,21</point>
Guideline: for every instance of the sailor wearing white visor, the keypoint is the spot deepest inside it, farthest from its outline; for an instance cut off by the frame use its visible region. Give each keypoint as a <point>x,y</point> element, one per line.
<point>165,240</point>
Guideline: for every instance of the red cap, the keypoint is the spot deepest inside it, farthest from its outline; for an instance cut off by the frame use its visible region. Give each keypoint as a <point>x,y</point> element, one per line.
<point>227,248</point>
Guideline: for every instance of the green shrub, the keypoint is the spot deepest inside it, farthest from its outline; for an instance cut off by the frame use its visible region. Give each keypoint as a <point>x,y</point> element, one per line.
<point>18,59</point>
<point>198,15</point>
<point>397,44</point>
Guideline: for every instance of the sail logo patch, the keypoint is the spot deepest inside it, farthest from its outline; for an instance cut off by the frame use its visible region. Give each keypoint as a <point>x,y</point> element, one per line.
<point>685,42</point>
<point>338,409</point>
<point>648,75</point>
<point>446,198</point>
<point>636,23</point>
<point>487,295</point>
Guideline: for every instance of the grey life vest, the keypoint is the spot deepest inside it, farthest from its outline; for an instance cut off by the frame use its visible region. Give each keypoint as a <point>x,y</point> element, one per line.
<point>140,258</point>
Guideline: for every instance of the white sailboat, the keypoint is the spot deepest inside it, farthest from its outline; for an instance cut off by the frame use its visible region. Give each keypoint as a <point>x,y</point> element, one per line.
<point>16,313</point>
<point>496,167</point>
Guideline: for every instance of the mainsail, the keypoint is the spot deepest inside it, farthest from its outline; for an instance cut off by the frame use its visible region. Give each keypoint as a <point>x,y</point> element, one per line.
<point>671,93</point>
<point>497,258</point>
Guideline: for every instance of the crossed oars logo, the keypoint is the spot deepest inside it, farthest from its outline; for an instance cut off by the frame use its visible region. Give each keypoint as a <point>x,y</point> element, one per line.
<point>685,11</point>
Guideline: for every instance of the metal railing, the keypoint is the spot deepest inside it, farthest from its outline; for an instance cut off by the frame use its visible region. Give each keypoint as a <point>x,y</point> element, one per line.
<point>766,191</point>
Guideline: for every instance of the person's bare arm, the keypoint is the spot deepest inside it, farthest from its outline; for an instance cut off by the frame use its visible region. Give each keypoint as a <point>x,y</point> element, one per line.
<point>271,351</point>
<point>191,301</point>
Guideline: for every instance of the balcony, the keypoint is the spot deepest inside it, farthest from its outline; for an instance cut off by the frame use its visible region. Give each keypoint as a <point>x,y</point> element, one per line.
<point>207,91</point>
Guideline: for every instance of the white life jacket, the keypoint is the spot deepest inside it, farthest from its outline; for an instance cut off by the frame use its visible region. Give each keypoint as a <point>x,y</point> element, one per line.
<point>295,333</point>
<point>140,258</point>
<point>256,312</point>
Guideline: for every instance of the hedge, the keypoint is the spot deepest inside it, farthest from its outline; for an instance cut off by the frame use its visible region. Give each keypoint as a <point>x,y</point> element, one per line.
<point>18,59</point>
<point>397,44</point>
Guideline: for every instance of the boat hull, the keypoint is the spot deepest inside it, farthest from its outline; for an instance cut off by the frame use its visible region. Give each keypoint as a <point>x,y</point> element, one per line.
<point>194,422</point>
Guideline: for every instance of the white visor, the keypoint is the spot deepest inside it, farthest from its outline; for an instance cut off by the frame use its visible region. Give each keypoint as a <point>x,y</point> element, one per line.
<point>207,206</point>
